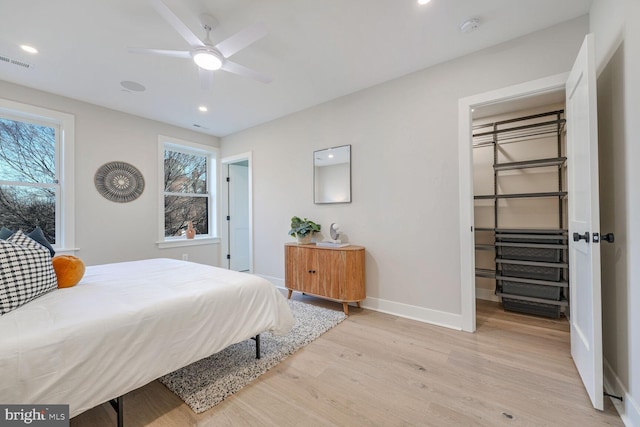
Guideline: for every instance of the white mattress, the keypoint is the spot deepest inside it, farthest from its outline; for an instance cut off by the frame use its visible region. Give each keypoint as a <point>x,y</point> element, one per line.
<point>125,325</point>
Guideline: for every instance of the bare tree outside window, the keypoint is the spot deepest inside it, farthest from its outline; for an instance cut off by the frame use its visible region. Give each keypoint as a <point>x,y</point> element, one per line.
<point>28,181</point>
<point>186,194</point>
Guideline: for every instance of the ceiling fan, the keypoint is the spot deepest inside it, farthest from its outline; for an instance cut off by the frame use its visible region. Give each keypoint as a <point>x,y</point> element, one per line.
<point>207,56</point>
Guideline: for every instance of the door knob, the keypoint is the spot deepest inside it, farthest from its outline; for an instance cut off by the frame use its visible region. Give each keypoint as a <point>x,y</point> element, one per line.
<point>609,237</point>
<point>577,237</point>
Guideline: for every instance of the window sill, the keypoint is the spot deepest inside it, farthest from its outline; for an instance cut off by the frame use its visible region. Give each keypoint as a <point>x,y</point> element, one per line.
<point>66,251</point>
<point>188,242</point>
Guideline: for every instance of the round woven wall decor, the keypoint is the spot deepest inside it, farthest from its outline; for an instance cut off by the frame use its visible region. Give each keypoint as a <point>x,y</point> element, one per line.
<point>119,182</point>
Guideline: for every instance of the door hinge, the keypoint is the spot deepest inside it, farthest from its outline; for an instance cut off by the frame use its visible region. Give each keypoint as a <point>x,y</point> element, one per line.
<point>228,217</point>
<point>228,179</point>
<point>228,256</point>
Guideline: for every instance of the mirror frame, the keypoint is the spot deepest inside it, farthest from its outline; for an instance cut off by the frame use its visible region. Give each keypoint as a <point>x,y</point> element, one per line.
<point>315,195</point>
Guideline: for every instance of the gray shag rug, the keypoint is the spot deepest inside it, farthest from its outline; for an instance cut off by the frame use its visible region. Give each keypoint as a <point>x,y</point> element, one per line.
<point>207,382</point>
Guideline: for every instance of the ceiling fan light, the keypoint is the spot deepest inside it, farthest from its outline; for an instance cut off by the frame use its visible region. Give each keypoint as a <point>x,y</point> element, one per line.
<point>207,60</point>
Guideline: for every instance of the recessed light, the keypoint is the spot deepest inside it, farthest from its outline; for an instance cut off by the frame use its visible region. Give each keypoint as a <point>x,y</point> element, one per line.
<point>203,109</point>
<point>423,1</point>
<point>28,48</point>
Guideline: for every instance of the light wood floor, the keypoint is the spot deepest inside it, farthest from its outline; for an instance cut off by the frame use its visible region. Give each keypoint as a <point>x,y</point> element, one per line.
<point>376,369</point>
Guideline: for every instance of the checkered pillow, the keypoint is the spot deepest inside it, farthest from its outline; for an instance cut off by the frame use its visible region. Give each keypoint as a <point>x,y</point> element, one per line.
<point>26,271</point>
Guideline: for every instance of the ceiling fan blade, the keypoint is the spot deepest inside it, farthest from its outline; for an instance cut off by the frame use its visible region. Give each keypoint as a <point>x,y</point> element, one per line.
<point>240,40</point>
<point>164,52</point>
<point>241,70</point>
<point>206,78</point>
<point>176,23</point>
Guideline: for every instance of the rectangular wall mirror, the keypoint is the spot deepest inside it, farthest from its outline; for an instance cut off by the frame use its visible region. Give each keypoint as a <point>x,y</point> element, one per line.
<point>332,175</point>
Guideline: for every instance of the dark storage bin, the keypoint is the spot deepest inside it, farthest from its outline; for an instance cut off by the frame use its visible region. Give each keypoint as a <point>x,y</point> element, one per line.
<point>532,290</point>
<point>530,254</point>
<point>530,307</point>
<point>531,238</point>
<point>532,272</point>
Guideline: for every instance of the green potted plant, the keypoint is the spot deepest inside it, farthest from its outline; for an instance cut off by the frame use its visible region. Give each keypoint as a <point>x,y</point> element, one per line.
<point>303,229</point>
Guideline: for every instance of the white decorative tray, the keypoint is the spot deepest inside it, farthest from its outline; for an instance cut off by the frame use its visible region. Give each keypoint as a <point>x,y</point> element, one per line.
<point>332,244</point>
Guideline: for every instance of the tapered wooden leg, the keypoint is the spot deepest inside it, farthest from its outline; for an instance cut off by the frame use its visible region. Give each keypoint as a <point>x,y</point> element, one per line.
<point>358,304</point>
<point>345,308</point>
<point>290,292</point>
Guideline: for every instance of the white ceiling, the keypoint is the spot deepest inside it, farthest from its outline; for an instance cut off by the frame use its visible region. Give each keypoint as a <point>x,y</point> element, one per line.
<point>315,50</point>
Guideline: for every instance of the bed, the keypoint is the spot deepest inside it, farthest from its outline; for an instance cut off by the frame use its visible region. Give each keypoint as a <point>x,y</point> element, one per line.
<point>126,324</point>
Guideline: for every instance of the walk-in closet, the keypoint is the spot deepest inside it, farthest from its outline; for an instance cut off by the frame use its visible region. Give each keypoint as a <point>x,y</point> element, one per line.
<point>520,207</point>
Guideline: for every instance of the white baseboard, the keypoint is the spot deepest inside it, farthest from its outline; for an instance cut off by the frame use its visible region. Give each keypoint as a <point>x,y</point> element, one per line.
<point>421,314</point>
<point>487,294</point>
<point>628,409</point>
<point>278,283</point>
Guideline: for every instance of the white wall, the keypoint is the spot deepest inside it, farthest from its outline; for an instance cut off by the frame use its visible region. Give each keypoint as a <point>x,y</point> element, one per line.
<point>617,31</point>
<point>404,167</point>
<point>108,231</point>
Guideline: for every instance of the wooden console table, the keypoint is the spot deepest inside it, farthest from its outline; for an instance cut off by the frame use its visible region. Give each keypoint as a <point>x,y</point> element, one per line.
<point>336,274</point>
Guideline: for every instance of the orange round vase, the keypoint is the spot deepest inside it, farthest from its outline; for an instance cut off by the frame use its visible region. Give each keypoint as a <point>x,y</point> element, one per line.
<point>69,270</point>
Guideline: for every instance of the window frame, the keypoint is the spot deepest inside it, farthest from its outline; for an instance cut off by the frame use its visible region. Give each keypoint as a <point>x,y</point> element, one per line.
<point>64,160</point>
<point>183,146</point>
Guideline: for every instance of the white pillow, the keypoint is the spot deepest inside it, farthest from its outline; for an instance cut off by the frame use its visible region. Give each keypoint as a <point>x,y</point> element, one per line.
<point>26,271</point>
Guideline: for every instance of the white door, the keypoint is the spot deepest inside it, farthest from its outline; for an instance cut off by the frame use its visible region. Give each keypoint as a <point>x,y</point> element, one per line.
<point>239,216</point>
<point>584,222</point>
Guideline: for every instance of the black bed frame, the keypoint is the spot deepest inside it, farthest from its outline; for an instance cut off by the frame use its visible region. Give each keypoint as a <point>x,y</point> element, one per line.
<point>117,403</point>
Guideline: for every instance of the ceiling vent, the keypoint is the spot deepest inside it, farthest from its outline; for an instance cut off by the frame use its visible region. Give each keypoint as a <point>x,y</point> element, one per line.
<point>15,62</point>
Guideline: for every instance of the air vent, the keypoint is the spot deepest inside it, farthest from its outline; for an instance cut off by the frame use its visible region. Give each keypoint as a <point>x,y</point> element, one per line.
<point>15,62</point>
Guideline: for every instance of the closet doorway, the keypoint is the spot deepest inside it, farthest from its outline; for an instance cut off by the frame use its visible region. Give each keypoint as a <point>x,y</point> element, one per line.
<point>502,101</point>
<point>583,220</point>
<point>237,202</point>
<point>520,205</point>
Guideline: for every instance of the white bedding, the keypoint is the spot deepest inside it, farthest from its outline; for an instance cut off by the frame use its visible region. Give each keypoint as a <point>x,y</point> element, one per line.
<point>127,324</point>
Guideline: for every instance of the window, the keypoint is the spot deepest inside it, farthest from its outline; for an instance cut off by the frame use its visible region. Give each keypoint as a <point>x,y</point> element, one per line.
<point>188,190</point>
<point>36,171</point>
